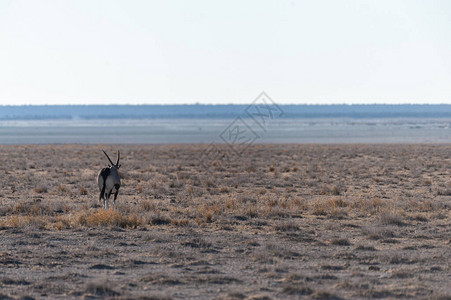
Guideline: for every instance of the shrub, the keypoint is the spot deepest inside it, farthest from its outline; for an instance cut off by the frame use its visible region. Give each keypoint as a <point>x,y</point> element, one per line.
<point>147,205</point>
<point>224,189</point>
<point>391,218</point>
<point>340,242</point>
<point>83,191</point>
<point>63,190</point>
<point>40,189</point>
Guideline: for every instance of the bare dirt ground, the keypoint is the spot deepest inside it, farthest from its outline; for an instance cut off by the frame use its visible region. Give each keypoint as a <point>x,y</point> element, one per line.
<point>277,222</point>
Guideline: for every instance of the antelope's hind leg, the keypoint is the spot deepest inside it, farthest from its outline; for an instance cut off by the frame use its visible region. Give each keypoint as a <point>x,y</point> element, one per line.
<point>115,196</point>
<point>106,200</point>
<point>102,196</point>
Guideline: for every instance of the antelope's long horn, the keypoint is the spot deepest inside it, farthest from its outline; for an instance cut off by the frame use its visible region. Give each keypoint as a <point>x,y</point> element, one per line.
<point>108,158</point>
<point>118,156</point>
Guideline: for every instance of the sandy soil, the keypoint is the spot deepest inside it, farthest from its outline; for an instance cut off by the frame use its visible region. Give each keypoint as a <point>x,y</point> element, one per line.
<point>276,222</point>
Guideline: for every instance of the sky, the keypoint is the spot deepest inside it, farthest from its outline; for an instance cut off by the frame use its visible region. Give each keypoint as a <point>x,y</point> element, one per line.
<point>171,52</point>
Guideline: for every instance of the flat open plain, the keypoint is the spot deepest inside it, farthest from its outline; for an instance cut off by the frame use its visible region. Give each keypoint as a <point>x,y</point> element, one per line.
<point>277,222</point>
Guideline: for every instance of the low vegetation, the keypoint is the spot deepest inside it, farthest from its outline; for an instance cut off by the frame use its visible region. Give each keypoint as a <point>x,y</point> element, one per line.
<point>279,221</point>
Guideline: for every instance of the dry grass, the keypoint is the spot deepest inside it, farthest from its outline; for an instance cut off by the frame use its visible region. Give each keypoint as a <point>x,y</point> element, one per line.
<point>280,221</point>
<point>107,218</point>
<point>36,222</point>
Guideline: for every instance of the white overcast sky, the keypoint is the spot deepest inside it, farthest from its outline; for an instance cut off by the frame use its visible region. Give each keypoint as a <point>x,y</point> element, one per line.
<point>326,51</point>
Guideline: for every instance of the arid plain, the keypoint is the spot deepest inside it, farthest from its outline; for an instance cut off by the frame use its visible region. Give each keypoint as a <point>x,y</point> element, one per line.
<point>276,222</point>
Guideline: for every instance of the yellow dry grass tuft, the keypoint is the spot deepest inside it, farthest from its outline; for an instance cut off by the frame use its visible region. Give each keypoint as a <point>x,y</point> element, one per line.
<point>333,206</point>
<point>19,221</point>
<point>99,218</point>
<point>108,218</point>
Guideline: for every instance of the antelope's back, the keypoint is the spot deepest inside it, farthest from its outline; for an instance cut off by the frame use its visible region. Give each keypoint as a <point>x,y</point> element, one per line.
<point>114,175</point>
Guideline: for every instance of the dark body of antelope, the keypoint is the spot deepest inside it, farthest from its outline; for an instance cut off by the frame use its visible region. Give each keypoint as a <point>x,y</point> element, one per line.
<point>109,182</point>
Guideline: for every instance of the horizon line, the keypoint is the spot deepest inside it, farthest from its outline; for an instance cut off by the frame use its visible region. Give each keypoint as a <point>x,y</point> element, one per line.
<point>223,104</point>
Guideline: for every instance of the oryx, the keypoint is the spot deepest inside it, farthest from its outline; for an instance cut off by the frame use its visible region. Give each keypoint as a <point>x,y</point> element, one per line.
<point>109,181</point>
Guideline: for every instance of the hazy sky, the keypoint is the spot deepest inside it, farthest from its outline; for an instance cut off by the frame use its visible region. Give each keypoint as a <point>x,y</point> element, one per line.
<point>61,52</point>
